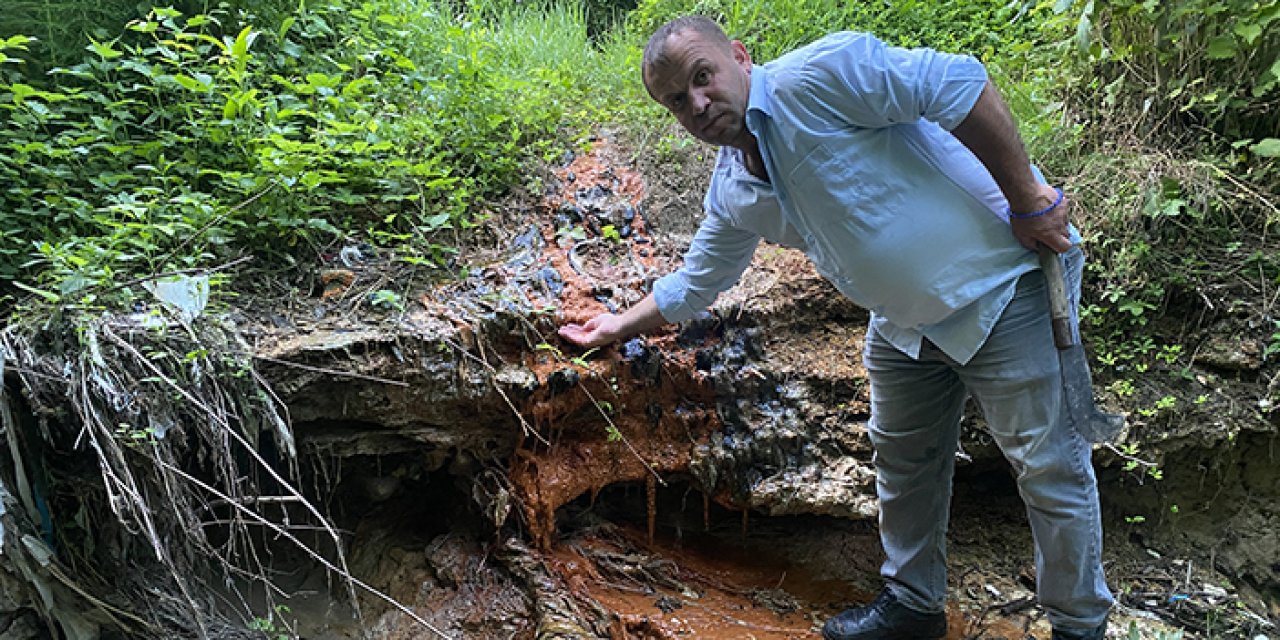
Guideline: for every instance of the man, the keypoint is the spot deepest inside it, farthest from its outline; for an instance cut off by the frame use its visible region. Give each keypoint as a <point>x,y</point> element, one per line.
<point>901,175</point>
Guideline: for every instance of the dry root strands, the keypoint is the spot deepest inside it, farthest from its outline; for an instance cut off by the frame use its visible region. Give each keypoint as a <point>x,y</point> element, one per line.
<point>170,414</point>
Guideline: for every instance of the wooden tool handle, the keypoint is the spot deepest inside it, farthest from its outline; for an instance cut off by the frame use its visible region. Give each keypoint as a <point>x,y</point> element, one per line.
<point>1059,312</point>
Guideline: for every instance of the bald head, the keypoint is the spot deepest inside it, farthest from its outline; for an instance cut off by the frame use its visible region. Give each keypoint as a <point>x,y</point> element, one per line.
<point>655,52</point>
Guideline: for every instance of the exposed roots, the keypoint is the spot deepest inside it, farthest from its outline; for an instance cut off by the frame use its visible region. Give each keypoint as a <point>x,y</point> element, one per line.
<point>195,469</point>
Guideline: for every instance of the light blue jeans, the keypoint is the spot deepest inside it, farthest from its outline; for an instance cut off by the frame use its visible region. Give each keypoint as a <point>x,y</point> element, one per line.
<point>916,407</point>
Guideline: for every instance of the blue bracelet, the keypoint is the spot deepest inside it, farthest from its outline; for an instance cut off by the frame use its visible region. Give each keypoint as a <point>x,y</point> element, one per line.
<point>1037,214</point>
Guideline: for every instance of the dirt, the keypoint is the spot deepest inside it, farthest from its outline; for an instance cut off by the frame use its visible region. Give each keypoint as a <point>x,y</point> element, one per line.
<point>714,481</point>
<point>711,480</point>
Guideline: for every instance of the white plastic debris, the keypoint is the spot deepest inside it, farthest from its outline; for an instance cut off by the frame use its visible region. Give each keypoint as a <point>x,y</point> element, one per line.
<point>187,294</point>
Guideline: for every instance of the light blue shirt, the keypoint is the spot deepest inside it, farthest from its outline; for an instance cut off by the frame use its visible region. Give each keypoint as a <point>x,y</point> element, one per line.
<point>867,179</point>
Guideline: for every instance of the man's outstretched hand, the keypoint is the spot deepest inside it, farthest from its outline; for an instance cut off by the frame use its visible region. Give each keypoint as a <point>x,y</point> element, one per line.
<point>1049,229</point>
<point>602,329</point>
<point>608,327</point>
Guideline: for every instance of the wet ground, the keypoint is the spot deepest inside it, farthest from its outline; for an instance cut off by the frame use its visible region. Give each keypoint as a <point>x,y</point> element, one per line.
<point>572,506</point>
<point>734,575</point>
<point>704,572</point>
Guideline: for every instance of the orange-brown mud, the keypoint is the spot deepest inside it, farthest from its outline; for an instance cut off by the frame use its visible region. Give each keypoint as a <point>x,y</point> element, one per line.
<point>719,605</point>
<point>608,428</point>
<point>719,591</point>
<point>603,425</point>
<point>636,420</point>
<point>577,302</point>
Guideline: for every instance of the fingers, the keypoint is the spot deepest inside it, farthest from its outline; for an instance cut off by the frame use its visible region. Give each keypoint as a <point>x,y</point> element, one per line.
<point>591,334</point>
<point>576,334</point>
<point>1050,229</point>
<point>1056,241</point>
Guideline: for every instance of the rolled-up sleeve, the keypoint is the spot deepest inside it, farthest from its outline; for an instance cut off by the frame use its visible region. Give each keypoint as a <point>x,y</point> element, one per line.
<point>874,85</point>
<point>716,259</point>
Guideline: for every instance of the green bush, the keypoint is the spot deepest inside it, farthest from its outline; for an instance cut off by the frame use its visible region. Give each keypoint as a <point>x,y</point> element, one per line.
<point>1175,165</point>
<point>188,140</point>
<point>1207,63</point>
<point>772,27</point>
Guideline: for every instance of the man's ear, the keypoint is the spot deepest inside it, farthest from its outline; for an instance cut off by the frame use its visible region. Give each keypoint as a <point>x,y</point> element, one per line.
<point>740,54</point>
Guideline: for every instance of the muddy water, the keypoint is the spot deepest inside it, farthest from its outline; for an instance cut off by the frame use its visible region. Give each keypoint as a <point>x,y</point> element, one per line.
<point>714,594</point>
<point>718,575</point>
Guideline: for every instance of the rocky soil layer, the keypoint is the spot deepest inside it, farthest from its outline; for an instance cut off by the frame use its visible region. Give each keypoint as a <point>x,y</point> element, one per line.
<point>754,414</point>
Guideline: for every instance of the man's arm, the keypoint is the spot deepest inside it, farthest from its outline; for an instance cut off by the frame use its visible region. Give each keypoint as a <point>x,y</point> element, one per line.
<point>608,327</point>
<point>990,133</point>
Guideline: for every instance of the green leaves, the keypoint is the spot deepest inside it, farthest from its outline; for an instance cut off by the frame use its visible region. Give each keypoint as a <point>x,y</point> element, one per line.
<point>201,82</point>
<point>104,50</point>
<point>239,48</point>
<point>48,296</point>
<point>1217,61</point>
<point>1267,148</point>
<point>18,42</point>
<point>14,43</point>
<point>183,142</point>
<point>1222,48</point>
<point>1248,31</point>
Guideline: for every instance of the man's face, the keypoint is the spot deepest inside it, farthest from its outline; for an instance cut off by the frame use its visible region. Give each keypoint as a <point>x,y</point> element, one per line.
<point>705,85</point>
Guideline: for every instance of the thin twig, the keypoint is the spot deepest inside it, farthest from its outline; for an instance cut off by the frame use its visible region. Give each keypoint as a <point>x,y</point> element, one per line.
<point>291,527</point>
<point>244,443</point>
<point>106,608</point>
<point>305,549</point>
<point>1139,461</point>
<point>621,437</point>
<point>334,372</point>
<point>216,219</point>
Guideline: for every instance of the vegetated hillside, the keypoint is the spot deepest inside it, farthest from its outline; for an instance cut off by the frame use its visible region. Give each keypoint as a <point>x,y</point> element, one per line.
<point>231,157</point>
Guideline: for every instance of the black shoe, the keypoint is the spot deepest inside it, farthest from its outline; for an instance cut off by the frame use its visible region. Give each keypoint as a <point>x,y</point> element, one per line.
<point>1097,633</point>
<point>885,619</point>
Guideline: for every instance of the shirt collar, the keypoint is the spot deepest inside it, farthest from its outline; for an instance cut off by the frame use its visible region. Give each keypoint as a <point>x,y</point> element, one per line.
<point>758,100</point>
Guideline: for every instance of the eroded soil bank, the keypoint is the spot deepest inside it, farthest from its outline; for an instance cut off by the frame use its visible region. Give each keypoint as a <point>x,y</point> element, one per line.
<point>711,481</point>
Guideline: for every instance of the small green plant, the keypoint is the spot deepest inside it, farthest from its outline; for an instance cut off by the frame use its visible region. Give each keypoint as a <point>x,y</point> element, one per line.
<point>1273,345</point>
<point>1170,353</point>
<point>1135,519</point>
<point>273,626</point>
<point>554,350</point>
<point>581,361</point>
<point>1128,451</point>
<point>133,436</point>
<point>610,233</point>
<point>1122,387</point>
<point>1134,634</point>
<point>1164,404</point>
<point>386,300</point>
